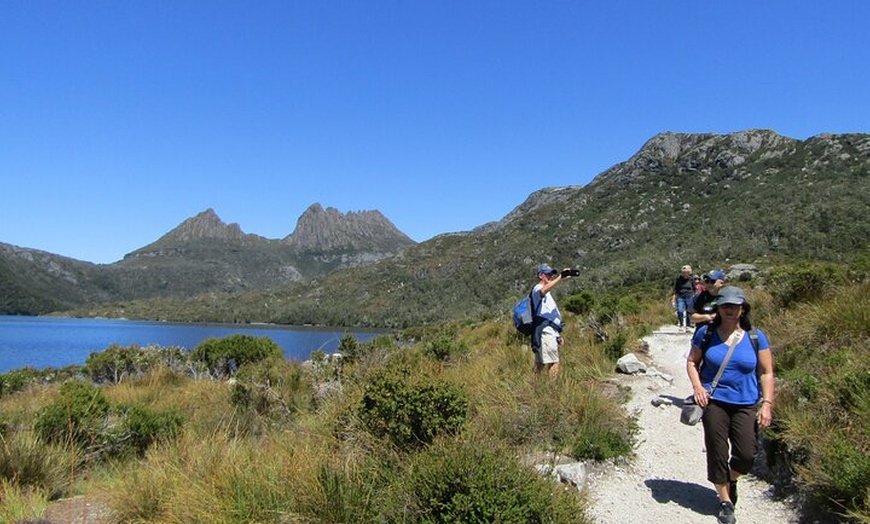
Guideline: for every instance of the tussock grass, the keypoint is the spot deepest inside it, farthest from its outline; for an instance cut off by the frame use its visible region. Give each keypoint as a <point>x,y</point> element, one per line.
<point>823,396</point>
<point>18,504</point>
<point>35,465</point>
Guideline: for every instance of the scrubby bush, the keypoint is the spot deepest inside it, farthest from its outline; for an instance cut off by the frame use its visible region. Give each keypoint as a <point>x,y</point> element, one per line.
<point>580,304</point>
<point>20,379</point>
<point>76,417</point>
<point>141,427</point>
<point>117,362</point>
<point>602,443</point>
<point>276,388</point>
<point>806,282</point>
<point>443,347</point>
<point>224,356</point>
<point>454,481</point>
<point>81,417</point>
<point>412,414</point>
<point>349,347</point>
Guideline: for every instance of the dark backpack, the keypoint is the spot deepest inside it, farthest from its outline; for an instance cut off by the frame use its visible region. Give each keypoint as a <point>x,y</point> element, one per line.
<point>524,315</point>
<point>708,339</point>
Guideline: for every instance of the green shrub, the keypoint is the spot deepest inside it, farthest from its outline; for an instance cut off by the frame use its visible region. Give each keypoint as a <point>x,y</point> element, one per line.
<point>443,347</point>
<point>806,282</point>
<point>614,345</point>
<point>141,427</point>
<point>349,347</point>
<point>453,482</point>
<point>276,388</point>
<point>20,379</point>
<point>76,417</point>
<point>602,443</point>
<point>411,415</point>
<point>845,472</point>
<point>224,356</point>
<point>580,304</point>
<point>116,362</point>
<point>17,380</point>
<point>81,417</point>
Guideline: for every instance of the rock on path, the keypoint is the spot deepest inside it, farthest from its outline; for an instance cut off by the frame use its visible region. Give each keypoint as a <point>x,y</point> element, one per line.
<point>667,483</point>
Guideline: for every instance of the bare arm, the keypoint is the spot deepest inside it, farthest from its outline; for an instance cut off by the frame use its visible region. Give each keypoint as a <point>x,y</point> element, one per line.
<point>765,412</point>
<point>693,366</point>
<point>550,284</point>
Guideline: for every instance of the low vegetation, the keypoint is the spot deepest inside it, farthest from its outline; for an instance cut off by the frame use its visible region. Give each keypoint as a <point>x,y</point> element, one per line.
<point>431,425</point>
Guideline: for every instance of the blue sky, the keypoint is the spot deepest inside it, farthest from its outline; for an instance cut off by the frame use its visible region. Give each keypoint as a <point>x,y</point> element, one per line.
<point>119,119</point>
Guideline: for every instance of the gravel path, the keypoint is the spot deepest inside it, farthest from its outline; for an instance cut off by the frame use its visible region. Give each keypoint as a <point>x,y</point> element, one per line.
<point>667,483</point>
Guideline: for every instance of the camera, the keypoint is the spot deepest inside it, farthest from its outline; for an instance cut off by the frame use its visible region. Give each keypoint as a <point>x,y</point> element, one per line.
<point>570,273</point>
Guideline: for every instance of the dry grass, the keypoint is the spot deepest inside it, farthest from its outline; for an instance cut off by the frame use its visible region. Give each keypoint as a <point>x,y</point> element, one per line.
<point>320,466</point>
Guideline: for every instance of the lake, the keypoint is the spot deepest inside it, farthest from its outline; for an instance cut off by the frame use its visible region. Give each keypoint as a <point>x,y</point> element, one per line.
<point>42,342</point>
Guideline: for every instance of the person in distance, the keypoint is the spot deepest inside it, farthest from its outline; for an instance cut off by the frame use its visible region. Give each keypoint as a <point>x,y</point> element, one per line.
<point>681,298</point>
<point>703,305</point>
<point>548,323</point>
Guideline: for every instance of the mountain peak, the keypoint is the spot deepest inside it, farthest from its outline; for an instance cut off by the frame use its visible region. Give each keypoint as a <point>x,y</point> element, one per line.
<point>320,229</point>
<point>206,224</point>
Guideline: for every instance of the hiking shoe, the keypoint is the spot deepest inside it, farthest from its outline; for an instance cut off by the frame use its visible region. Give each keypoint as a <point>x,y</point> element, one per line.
<point>726,513</point>
<point>732,491</point>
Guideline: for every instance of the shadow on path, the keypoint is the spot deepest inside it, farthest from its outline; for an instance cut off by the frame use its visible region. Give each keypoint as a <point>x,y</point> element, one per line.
<point>676,401</point>
<point>691,496</point>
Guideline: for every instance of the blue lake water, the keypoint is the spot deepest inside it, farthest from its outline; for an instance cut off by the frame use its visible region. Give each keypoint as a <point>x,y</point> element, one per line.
<point>42,342</point>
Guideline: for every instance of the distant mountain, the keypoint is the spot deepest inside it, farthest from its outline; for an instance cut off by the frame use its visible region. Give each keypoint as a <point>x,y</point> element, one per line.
<point>704,199</point>
<point>201,255</point>
<point>327,230</point>
<point>204,226</point>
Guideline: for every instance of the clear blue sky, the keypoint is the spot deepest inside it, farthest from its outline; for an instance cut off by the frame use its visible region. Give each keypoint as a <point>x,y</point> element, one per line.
<point>119,119</point>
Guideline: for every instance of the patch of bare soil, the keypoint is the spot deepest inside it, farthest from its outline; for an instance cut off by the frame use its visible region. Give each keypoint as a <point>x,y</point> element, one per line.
<point>84,509</point>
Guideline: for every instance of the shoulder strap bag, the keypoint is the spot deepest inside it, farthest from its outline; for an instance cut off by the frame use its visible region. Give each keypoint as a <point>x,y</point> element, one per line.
<point>691,412</point>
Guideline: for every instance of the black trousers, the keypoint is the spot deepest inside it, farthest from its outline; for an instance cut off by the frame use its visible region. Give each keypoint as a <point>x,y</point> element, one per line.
<point>730,434</point>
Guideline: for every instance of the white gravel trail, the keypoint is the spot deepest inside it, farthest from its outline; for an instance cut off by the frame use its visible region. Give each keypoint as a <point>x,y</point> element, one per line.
<point>666,483</point>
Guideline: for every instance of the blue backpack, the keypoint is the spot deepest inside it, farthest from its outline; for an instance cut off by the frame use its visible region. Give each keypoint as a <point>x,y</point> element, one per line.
<point>524,315</point>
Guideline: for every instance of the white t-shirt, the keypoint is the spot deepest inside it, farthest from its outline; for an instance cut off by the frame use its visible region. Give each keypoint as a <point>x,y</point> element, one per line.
<point>548,309</point>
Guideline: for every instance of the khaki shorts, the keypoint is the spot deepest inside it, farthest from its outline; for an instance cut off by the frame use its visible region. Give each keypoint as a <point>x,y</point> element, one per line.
<point>549,353</point>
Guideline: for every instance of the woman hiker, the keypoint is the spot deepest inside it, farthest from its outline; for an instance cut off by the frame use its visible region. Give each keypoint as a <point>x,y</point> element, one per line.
<point>742,401</point>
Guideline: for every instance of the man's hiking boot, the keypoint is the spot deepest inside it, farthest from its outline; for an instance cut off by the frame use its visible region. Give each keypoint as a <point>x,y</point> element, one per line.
<point>726,513</point>
<point>732,491</point>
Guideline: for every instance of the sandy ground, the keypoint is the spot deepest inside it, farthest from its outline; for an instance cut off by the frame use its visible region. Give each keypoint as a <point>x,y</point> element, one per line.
<point>666,483</point>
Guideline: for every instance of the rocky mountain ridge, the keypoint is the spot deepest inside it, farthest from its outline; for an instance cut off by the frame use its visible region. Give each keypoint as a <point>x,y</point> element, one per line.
<point>202,254</point>
<point>705,199</point>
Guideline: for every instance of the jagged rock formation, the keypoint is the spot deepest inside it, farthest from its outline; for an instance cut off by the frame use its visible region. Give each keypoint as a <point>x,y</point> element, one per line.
<point>204,225</point>
<point>201,255</point>
<point>321,230</point>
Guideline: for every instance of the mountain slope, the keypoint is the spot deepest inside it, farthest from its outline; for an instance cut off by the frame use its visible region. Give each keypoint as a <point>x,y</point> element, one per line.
<point>703,199</point>
<point>707,200</point>
<point>200,255</point>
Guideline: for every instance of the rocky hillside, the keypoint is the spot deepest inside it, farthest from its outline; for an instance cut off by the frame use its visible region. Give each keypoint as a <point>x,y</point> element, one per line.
<point>703,199</point>
<point>707,200</point>
<point>201,255</point>
<point>355,238</point>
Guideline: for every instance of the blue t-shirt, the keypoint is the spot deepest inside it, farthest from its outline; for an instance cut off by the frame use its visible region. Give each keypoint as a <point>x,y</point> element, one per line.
<point>739,382</point>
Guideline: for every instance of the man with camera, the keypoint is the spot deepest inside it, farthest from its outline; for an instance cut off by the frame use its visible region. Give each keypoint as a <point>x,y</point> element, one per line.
<point>704,311</point>
<point>548,329</point>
